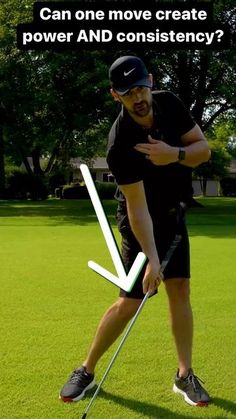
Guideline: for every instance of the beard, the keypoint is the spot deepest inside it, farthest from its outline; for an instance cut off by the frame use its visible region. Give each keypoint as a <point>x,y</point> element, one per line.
<point>142,109</point>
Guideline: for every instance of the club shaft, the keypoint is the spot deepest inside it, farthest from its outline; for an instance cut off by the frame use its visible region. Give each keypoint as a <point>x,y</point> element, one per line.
<point>117,351</point>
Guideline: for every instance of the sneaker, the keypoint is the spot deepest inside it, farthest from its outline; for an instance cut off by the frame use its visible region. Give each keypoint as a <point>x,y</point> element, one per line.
<point>191,389</point>
<point>79,382</point>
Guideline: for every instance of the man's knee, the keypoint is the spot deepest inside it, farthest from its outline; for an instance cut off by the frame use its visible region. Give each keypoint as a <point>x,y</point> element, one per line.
<point>127,307</point>
<point>178,289</point>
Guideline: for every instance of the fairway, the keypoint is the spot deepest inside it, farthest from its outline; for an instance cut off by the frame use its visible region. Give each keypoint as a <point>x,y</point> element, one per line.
<point>50,304</point>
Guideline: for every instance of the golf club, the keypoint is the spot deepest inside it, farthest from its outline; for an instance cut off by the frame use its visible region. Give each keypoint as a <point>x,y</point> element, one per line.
<point>164,263</point>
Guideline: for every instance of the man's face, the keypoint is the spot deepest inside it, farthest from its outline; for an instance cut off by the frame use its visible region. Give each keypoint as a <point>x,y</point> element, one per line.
<point>137,101</point>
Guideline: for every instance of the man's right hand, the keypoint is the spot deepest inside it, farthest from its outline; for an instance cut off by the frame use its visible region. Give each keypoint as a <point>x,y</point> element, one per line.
<point>152,278</point>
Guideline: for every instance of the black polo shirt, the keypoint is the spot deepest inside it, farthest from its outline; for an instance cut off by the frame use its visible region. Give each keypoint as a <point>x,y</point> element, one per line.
<point>167,185</point>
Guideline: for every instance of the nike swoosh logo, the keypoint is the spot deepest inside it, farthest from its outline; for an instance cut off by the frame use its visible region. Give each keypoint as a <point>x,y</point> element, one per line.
<point>126,73</point>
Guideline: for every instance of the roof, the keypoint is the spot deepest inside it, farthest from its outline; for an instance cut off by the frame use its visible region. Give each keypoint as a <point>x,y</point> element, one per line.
<point>30,161</point>
<point>232,167</point>
<point>98,163</point>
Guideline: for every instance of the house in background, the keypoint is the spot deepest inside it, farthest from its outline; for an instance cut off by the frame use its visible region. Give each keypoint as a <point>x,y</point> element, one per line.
<point>213,187</point>
<point>100,172</point>
<point>232,168</point>
<point>98,167</point>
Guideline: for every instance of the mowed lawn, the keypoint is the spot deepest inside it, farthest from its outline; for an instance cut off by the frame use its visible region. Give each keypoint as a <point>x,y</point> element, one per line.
<point>50,303</point>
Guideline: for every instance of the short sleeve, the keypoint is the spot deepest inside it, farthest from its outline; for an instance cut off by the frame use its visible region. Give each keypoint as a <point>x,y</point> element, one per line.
<point>179,116</point>
<point>125,164</point>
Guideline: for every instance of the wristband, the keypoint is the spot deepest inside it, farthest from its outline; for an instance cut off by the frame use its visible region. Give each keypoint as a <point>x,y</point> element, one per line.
<point>181,155</point>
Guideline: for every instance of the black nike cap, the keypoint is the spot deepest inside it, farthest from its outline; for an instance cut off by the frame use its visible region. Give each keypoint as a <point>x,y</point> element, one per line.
<point>128,72</point>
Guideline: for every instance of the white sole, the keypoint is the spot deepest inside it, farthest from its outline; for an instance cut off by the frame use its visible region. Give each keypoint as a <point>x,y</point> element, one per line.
<point>186,398</point>
<point>76,399</point>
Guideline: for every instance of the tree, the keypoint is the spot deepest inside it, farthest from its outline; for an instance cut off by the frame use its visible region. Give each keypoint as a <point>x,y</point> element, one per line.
<point>57,105</point>
<point>224,133</point>
<point>2,168</point>
<point>205,80</point>
<point>10,13</point>
<point>47,97</point>
<point>219,139</point>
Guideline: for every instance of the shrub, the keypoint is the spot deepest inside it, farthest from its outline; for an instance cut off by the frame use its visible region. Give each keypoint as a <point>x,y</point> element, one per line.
<point>21,185</point>
<point>228,186</point>
<point>75,191</point>
<point>16,184</point>
<point>106,190</point>
<point>56,180</point>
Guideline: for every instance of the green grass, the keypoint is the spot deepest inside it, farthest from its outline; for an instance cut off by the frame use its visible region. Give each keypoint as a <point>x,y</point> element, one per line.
<point>50,303</point>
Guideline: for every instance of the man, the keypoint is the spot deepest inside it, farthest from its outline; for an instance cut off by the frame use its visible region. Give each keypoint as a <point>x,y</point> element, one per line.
<point>153,145</point>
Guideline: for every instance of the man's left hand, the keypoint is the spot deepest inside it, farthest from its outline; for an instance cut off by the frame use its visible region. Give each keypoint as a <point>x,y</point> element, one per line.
<point>158,152</point>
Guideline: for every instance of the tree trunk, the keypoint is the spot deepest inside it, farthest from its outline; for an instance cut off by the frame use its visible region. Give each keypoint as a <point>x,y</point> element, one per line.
<point>36,161</point>
<point>200,104</point>
<point>203,182</point>
<point>26,164</point>
<point>55,153</point>
<point>183,72</point>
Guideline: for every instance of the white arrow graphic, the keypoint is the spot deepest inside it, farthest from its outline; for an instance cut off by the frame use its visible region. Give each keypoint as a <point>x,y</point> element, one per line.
<point>122,280</point>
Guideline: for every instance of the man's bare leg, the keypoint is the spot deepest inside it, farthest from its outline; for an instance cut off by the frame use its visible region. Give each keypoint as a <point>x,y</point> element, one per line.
<point>178,291</point>
<point>110,327</point>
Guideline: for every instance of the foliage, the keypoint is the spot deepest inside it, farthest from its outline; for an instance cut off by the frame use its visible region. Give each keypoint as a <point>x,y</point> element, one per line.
<point>21,185</point>
<point>106,190</point>
<point>229,130</point>
<point>75,192</point>
<point>228,186</point>
<point>205,80</point>
<point>47,97</point>
<point>55,180</point>
<point>218,164</point>
<point>57,105</point>
<point>220,138</point>
<point>224,131</point>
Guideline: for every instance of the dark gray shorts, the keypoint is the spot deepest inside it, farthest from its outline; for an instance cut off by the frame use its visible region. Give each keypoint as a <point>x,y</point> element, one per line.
<point>165,230</point>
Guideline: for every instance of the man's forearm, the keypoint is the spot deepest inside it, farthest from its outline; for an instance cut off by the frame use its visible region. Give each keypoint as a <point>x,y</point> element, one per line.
<point>142,227</point>
<point>195,154</point>
<point>194,145</point>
